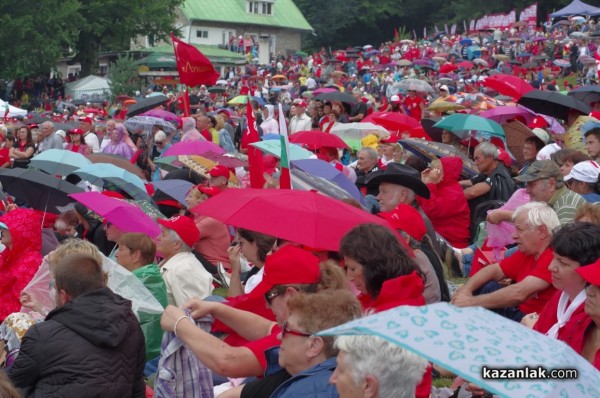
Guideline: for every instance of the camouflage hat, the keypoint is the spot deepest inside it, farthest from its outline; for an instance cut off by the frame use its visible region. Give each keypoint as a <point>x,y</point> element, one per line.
<point>541,169</point>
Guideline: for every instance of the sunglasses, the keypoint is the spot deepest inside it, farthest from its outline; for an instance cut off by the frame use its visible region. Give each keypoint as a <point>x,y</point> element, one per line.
<point>269,296</point>
<point>287,330</point>
<point>159,142</point>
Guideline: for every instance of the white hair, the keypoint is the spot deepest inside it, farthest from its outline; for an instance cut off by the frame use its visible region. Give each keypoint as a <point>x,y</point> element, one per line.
<point>397,370</point>
<point>488,149</point>
<point>176,238</point>
<point>538,214</point>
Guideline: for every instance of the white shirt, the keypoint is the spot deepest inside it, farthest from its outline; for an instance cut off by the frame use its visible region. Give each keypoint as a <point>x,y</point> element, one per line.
<point>185,277</point>
<point>300,123</point>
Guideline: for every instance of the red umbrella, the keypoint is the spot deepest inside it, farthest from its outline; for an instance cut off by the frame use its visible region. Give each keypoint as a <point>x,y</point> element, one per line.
<point>317,139</point>
<point>304,217</point>
<point>393,121</point>
<point>447,68</point>
<point>512,86</point>
<point>91,110</point>
<point>465,64</point>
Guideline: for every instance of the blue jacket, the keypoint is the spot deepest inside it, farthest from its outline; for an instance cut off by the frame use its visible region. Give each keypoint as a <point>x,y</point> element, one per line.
<point>313,383</point>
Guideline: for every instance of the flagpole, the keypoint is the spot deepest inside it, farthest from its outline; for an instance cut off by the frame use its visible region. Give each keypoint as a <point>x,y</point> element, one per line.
<point>285,180</point>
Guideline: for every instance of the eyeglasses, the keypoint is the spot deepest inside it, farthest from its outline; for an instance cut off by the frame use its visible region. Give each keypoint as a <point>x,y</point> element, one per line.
<point>287,330</point>
<point>159,142</point>
<point>269,296</point>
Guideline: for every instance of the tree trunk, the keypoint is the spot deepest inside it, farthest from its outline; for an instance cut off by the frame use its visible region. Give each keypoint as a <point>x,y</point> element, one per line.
<point>87,54</point>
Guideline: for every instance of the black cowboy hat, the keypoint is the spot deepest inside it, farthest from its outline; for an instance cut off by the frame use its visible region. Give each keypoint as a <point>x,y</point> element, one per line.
<point>400,174</point>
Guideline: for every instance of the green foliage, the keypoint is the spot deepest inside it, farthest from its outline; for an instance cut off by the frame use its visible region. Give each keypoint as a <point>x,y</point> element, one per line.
<point>35,33</point>
<point>124,78</point>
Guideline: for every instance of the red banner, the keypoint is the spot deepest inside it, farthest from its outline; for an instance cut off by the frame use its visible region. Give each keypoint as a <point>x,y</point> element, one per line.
<point>255,159</point>
<point>194,68</point>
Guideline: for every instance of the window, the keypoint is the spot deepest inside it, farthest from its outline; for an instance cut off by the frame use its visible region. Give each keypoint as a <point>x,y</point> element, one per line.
<point>264,7</point>
<point>202,34</point>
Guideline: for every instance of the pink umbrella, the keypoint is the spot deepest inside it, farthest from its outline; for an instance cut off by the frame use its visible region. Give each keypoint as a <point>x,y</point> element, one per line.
<point>502,114</point>
<point>229,161</point>
<point>324,90</point>
<point>160,113</point>
<point>192,148</point>
<point>125,216</point>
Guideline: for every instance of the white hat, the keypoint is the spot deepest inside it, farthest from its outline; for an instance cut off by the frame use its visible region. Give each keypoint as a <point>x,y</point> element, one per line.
<point>62,134</point>
<point>395,98</point>
<point>160,136</point>
<point>444,88</point>
<point>541,134</point>
<point>586,171</point>
<point>546,151</point>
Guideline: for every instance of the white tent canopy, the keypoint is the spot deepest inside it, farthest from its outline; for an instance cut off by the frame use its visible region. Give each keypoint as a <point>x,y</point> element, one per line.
<point>88,88</point>
<point>13,111</point>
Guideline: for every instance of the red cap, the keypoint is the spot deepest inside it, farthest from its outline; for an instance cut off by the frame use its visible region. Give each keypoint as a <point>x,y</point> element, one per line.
<point>210,191</point>
<point>219,171</point>
<point>504,157</point>
<point>113,194</point>
<point>539,122</point>
<point>591,273</point>
<point>85,120</point>
<point>76,131</point>
<point>301,104</point>
<point>407,219</point>
<point>184,227</point>
<point>394,137</point>
<point>595,114</point>
<point>289,265</point>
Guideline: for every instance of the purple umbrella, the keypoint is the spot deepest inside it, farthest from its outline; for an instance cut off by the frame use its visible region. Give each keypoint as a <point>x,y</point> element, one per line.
<point>422,62</point>
<point>229,161</point>
<point>324,90</point>
<point>192,148</point>
<point>323,169</point>
<point>160,113</point>
<point>125,216</point>
<point>502,114</point>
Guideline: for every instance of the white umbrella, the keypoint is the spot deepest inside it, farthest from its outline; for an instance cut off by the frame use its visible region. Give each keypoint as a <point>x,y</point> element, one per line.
<point>414,84</point>
<point>352,133</point>
<point>13,111</point>
<point>465,340</point>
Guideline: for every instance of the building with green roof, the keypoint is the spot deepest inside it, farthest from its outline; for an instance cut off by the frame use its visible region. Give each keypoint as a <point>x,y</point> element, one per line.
<point>272,27</point>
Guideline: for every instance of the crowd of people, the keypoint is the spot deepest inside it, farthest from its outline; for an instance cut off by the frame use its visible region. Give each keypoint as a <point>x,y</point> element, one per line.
<point>92,306</point>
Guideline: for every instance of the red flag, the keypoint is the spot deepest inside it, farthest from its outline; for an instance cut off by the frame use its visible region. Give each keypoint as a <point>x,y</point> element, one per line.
<point>193,67</point>
<point>255,160</point>
<point>396,35</point>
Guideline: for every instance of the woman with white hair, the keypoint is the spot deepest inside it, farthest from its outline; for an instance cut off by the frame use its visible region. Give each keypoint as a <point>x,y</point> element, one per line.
<point>371,367</point>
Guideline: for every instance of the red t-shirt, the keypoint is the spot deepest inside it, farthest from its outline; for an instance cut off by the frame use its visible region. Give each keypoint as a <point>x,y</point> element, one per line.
<point>4,156</point>
<point>519,266</point>
<point>258,347</point>
<point>413,105</point>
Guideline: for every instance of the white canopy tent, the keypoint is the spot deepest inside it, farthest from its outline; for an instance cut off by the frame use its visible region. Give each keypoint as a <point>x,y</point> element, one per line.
<point>13,111</point>
<point>89,88</point>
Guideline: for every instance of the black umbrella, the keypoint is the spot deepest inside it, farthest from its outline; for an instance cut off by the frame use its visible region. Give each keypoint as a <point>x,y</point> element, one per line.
<point>217,89</point>
<point>78,102</point>
<point>434,132</point>
<point>335,96</point>
<point>145,104</point>
<point>39,190</point>
<point>586,94</point>
<point>553,103</point>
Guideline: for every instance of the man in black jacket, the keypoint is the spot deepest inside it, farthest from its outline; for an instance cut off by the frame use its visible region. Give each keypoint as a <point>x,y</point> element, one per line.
<point>91,345</point>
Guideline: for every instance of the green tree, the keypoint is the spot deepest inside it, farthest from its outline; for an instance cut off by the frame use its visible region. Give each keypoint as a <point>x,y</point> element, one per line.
<point>111,25</point>
<point>124,79</point>
<point>35,34</point>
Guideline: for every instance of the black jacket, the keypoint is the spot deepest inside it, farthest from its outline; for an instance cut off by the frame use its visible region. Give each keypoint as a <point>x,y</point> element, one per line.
<point>90,347</point>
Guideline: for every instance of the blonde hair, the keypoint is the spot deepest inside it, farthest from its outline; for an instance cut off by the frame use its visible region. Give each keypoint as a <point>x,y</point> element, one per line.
<point>75,246</point>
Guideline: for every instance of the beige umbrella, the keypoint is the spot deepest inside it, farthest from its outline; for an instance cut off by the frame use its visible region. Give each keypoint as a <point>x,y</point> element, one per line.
<point>404,62</point>
<point>501,57</point>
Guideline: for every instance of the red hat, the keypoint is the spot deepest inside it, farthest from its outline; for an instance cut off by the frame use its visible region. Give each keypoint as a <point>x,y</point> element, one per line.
<point>591,273</point>
<point>595,114</point>
<point>289,265</point>
<point>85,120</point>
<point>538,122</point>
<point>210,191</point>
<point>184,227</point>
<point>270,164</point>
<point>393,138</point>
<point>407,219</point>
<point>76,131</point>
<point>113,194</point>
<point>219,171</point>
<point>301,104</point>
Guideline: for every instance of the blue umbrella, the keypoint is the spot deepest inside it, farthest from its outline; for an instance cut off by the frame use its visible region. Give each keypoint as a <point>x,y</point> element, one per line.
<point>101,173</point>
<point>323,169</point>
<point>58,161</point>
<point>270,136</point>
<point>466,42</point>
<point>273,147</point>
<point>464,340</point>
<point>176,189</point>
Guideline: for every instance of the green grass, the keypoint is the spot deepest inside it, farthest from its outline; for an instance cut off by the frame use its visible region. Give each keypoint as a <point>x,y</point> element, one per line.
<point>442,382</point>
